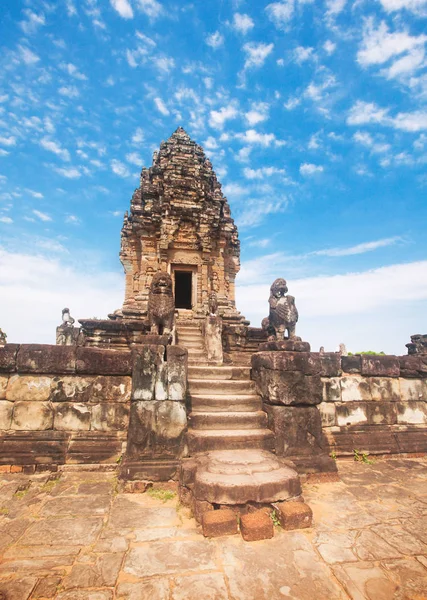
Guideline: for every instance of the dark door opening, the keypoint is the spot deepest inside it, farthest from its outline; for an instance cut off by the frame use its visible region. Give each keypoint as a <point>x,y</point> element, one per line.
<point>183,289</point>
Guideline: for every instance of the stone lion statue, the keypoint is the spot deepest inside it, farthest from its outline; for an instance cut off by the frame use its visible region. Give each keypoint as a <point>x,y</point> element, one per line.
<point>283,312</point>
<point>161,304</point>
<point>3,341</point>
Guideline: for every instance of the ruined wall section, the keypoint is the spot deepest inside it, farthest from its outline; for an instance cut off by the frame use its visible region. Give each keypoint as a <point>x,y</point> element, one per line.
<point>72,405</point>
<point>323,404</point>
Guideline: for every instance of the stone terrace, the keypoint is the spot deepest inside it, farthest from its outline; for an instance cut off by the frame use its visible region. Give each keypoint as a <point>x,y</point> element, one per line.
<point>76,538</point>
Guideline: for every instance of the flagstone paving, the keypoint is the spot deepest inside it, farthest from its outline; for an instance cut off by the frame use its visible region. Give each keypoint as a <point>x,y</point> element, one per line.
<point>74,537</point>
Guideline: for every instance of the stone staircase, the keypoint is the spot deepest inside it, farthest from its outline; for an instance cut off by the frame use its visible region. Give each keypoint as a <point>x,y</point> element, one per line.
<point>226,412</point>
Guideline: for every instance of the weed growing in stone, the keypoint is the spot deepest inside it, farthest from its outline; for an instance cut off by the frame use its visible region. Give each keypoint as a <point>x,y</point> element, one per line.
<point>49,485</point>
<point>4,511</point>
<point>275,518</point>
<point>163,495</point>
<point>362,457</point>
<point>333,455</point>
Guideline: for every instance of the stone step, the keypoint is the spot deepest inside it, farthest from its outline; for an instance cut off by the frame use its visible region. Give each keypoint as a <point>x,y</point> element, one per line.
<point>243,476</point>
<point>228,420</point>
<point>212,403</point>
<point>199,440</point>
<point>220,372</point>
<point>194,346</point>
<point>220,386</point>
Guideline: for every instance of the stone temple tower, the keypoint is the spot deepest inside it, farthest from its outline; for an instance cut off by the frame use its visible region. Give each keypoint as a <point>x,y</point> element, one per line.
<point>180,222</point>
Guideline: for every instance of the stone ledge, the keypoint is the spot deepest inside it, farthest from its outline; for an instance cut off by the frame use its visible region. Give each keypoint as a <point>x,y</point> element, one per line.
<point>8,356</point>
<point>46,358</point>
<point>93,361</point>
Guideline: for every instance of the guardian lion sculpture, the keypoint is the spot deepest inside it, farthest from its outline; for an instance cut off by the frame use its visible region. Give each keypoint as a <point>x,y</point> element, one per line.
<point>161,304</point>
<point>283,312</point>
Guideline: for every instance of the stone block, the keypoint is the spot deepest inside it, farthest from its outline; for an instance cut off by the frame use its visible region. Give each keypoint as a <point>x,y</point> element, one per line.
<point>6,409</point>
<point>46,358</point>
<point>385,389</point>
<point>200,508</point>
<point>95,447</point>
<point>177,361</point>
<point>331,389</point>
<point>413,389</point>
<point>351,364</point>
<point>351,413</point>
<point>285,346</point>
<point>381,413</point>
<point>72,416</point>
<point>297,430</point>
<point>28,387</point>
<point>294,515</point>
<point>156,428</point>
<point>355,389</point>
<point>33,447</point>
<point>111,388</point>
<point>412,413</point>
<point>288,388</point>
<point>328,414</point>
<point>107,417</point>
<point>380,366</point>
<point>96,361</point>
<point>3,385</point>
<point>8,354</point>
<point>71,388</point>
<point>32,416</point>
<point>146,361</point>
<point>410,365</point>
<point>219,522</point>
<point>161,384</point>
<point>256,526</point>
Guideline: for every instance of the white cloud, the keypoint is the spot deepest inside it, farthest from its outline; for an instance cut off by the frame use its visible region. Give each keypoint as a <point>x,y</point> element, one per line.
<point>123,7</point>
<point>41,215</point>
<point>34,194</point>
<point>258,113</point>
<point>54,147</point>
<point>257,209</point>
<point>68,172</point>
<point>262,172</point>
<point>366,112</point>
<point>161,106</point>
<point>329,47</point>
<point>334,8</point>
<point>379,45</point>
<point>134,158</point>
<point>406,65</point>
<point>416,6</point>
<point>359,248</point>
<point>364,138</point>
<point>119,168</point>
<point>72,219</point>
<point>292,103</point>
<point>242,23</point>
<point>151,8</point>
<point>32,23</point>
<point>29,58</point>
<point>210,143</point>
<point>308,169</point>
<point>256,53</point>
<point>73,71</point>
<point>6,220</point>
<point>215,40</point>
<point>138,136</point>
<point>280,13</point>
<point>251,136</point>
<point>3,152</point>
<point>8,141</point>
<point>302,54</point>
<point>217,118</point>
<point>34,276</point>
<point>164,63</point>
<point>69,91</point>
<point>71,9</point>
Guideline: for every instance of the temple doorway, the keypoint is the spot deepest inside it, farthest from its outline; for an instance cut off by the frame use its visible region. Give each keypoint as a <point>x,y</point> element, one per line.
<point>183,289</point>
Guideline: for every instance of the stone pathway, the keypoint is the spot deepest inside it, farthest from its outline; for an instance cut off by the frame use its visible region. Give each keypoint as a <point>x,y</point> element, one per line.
<point>76,538</point>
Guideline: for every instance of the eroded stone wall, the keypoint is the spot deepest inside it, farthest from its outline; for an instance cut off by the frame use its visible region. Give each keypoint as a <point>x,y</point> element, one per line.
<point>319,404</point>
<point>72,405</point>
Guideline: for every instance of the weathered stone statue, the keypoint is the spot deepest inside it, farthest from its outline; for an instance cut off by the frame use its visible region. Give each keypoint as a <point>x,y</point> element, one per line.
<point>66,333</point>
<point>283,312</point>
<point>343,350</point>
<point>213,303</point>
<point>418,344</point>
<point>161,304</point>
<point>3,338</point>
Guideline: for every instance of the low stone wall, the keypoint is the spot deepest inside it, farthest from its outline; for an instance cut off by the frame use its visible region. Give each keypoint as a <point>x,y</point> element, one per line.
<point>72,405</point>
<point>320,404</point>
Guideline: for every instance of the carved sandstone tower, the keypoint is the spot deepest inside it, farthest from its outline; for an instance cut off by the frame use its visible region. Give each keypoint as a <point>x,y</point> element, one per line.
<point>180,222</point>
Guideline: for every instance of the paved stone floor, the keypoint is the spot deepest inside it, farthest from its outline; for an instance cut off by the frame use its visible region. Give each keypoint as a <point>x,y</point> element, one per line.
<point>76,538</point>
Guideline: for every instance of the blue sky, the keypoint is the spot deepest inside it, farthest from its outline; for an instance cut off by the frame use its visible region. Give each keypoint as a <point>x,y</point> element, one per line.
<point>314,115</point>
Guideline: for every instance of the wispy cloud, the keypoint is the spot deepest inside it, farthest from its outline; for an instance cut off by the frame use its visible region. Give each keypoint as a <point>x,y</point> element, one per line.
<point>256,54</point>
<point>123,7</point>
<point>41,215</point>
<point>358,249</point>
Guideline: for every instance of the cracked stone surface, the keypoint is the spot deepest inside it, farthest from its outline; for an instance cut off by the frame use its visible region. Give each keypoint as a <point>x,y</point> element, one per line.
<point>75,537</point>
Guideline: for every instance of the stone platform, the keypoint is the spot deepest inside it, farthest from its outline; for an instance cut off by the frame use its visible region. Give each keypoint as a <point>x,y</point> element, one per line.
<point>237,478</point>
<point>76,538</point>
